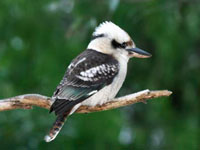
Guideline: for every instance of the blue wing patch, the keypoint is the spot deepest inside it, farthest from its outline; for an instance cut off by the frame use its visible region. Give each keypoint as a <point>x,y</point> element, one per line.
<point>87,74</point>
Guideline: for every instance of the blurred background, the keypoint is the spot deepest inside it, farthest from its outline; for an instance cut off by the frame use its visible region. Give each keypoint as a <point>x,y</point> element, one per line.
<point>38,39</point>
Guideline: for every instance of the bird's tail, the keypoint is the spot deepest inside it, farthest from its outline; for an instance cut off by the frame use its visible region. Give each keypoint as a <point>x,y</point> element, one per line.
<point>57,126</point>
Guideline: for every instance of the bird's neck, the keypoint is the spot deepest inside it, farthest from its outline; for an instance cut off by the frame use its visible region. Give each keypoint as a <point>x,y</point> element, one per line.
<point>102,46</point>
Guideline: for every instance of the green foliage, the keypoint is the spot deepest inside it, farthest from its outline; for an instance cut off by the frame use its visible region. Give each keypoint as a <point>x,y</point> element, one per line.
<point>38,39</point>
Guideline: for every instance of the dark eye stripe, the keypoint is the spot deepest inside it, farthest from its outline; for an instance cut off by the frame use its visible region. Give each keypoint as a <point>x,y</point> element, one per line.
<point>115,44</point>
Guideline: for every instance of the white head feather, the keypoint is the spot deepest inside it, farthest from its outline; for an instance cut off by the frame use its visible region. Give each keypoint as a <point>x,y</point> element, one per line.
<point>112,31</point>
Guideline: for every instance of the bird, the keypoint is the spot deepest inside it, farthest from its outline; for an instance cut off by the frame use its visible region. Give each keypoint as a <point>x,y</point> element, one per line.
<point>96,75</point>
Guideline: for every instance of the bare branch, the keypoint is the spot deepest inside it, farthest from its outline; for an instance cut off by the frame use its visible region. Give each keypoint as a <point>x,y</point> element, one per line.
<point>28,100</point>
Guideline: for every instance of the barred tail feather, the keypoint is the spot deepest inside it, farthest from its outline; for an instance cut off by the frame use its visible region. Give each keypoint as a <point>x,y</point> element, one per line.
<point>57,126</point>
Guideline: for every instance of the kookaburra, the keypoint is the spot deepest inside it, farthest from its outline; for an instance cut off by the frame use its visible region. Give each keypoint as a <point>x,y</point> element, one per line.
<point>95,76</point>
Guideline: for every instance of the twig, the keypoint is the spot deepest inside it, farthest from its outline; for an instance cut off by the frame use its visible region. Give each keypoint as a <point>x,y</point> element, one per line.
<point>28,100</point>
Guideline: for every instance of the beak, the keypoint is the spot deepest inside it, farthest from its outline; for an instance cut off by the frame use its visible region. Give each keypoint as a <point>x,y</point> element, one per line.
<point>136,52</point>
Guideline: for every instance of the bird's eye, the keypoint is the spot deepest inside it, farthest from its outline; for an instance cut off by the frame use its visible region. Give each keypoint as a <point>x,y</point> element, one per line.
<point>115,44</point>
<point>123,45</point>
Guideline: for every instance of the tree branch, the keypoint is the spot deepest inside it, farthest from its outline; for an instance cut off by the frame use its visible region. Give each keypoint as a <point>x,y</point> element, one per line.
<point>28,100</point>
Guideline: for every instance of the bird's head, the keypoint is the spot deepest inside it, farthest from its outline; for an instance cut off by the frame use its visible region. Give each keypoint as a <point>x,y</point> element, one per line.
<point>109,38</point>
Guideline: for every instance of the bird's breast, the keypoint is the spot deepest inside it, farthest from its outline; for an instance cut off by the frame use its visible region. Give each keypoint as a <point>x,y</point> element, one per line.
<point>110,91</point>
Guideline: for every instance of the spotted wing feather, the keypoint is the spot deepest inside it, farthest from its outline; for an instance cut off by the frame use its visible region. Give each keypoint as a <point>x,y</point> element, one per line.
<point>86,75</point>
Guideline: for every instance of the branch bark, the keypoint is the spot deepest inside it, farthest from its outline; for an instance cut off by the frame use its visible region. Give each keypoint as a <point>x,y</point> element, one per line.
<point>28,100</point>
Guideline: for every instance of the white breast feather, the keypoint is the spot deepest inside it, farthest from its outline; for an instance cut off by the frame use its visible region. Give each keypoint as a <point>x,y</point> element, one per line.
<point>109,92</point>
